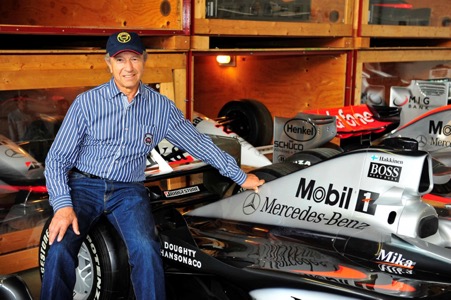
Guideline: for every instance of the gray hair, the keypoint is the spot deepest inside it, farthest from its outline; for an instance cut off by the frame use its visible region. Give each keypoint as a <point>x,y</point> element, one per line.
<point>144,54</point>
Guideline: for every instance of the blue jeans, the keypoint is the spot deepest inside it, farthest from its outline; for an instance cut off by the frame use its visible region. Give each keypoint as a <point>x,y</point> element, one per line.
<point>127,207</point>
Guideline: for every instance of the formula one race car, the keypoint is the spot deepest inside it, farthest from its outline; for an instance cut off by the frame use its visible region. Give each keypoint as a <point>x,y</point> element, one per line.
<point>351,226</point>
<point>307,234</point>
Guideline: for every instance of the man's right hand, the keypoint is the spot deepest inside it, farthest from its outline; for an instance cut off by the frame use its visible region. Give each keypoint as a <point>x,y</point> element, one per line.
<point>62,219</point>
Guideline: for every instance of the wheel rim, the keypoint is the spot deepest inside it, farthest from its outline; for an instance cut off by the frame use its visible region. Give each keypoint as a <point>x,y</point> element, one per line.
<point>84,273</point>
<point>239,123</point>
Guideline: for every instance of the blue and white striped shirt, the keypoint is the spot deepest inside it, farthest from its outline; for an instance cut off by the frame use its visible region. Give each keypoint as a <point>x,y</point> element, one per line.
<point>104,135</point>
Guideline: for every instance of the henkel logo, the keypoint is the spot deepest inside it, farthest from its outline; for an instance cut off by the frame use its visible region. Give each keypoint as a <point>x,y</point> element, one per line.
<point>300,130</point>
<point>319,194</point>
<point>384,172</point>
<point>365,202</point>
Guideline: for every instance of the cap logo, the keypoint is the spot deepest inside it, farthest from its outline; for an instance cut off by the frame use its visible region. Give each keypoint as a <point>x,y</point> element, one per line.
<point>123,37</point>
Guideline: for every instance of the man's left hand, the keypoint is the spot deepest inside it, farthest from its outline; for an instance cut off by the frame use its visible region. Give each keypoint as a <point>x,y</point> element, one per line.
<point>252,182</point>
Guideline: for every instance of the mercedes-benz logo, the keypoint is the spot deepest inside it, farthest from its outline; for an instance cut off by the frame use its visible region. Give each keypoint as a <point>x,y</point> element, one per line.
<point>251,204</point>
<point>422,141</point>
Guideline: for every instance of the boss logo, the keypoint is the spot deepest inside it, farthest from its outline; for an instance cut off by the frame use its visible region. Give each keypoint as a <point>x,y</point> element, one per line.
<point>384,172</point>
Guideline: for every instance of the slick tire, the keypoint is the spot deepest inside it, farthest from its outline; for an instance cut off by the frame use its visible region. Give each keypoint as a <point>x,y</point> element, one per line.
<point>103,269</point>
<point>271,172</point>
<point>313,156</point>
<point>277,170</point>
<point>250,119</point>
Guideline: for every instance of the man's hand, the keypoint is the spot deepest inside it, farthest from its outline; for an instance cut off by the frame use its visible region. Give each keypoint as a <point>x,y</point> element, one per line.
<point>252,182</point>
<point>62,219</point>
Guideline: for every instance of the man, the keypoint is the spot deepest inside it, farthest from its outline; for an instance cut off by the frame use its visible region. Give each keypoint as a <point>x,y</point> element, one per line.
<point>96,166</point>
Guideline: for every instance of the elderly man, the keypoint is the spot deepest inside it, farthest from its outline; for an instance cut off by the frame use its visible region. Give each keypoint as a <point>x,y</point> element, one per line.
<point>96,166</point>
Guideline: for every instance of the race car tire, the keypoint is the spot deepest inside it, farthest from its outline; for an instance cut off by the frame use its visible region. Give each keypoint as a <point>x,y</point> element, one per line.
<point>103,266</point>
<point>250,119</point>
<point>313,156</point>
<point>277,170</point>
<point>271,172</point>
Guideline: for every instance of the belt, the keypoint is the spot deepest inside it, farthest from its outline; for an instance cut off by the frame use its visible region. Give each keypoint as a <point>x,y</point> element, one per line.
<point>86,174</point>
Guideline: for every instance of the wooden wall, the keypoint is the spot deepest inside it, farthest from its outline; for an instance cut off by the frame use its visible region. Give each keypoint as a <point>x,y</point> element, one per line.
<point>155,14</point>
<point>286,84</point>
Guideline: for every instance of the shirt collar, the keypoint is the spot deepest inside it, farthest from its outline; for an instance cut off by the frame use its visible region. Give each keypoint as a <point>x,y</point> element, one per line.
<point>114,90</point>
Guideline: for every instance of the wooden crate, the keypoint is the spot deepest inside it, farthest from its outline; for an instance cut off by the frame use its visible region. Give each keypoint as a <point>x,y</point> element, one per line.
<point>25,70</point>
<point>440,10</point>
<point>286,82</point>
<point>19,250</point>
<point>84,16</point>
<point>329,18</point>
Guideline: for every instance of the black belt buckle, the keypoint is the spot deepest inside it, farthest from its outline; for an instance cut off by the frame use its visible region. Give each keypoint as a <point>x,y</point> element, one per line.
<point>86,174</point>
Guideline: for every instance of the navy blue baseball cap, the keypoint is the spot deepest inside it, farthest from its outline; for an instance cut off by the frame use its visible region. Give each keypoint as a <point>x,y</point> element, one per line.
<point>124,41</point>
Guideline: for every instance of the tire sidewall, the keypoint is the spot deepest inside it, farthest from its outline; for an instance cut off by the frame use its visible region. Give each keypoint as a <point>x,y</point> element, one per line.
<point>109,268</point>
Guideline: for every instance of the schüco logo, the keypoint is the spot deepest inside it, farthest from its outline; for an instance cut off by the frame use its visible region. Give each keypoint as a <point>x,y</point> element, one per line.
<point>300,130</point>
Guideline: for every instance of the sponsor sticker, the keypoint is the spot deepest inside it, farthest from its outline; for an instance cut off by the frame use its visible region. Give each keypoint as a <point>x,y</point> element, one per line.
<point>181,192</point>
<point>365,202</point>
<point>180,254</point>
<point>394,262</point>
<point>384,172</point>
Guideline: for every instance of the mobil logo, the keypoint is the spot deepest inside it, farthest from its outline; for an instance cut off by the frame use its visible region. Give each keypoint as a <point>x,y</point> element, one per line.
<point>438,128</point>
<point>329,196</point>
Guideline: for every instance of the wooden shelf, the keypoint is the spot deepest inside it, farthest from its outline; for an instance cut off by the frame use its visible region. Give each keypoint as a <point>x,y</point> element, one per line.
<point>24,70</point>
<point>148,17</point>
<point>440,11</point>
<point>318,25</point>
<point>285,81</point>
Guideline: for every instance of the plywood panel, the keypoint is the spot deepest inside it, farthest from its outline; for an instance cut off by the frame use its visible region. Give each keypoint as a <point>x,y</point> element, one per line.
<point>19,240</point>
<point>54,70</point>
<point>149,14</point>
<point>440,9</point>
<point>286,84</point>
<point>19,261</point>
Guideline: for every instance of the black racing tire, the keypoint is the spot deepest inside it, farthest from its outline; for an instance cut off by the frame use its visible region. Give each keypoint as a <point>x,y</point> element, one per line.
<point>277,170</point>
<point>250,119</point>
<point>291,164</point>
<point>271,172</point>
<point>103,271</point>
<point>313,156</point>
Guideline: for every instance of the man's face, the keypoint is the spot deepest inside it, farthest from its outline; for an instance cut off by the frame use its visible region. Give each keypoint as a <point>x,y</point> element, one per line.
<point>127,69</point>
